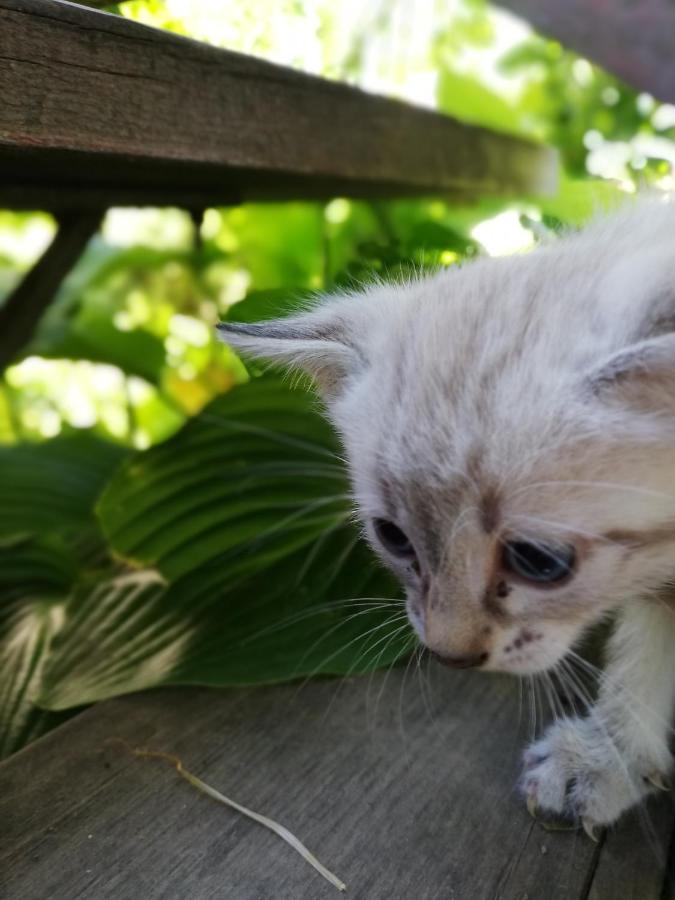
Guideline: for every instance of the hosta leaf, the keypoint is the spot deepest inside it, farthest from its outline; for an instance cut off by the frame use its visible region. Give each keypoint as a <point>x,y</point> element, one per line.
<point>35,579</point>
<point>256,474</point>
<point>263,577</point>
<point>323,610</point>
<point>328,609</point>
<point>53,485</point>
<point>120,638</point>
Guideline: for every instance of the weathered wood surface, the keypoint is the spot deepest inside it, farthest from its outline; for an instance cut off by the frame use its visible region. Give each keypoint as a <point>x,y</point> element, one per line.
<point>96,102</point>
<point>634,40</point>
<point>404,793</point>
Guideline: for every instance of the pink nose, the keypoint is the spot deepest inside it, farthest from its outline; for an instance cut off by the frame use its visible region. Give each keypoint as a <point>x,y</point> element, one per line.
<point>462,662</point>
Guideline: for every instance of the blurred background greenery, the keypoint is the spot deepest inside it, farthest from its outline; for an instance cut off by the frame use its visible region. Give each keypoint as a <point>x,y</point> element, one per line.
<point>166,518</point>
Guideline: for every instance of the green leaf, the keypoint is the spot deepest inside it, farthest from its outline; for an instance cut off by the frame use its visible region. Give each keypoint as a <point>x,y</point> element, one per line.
<point>328,609</point>
<point>256,471</point>
<point>53,485</point>
<point>305,615</point>
<point>91,335</point>
<point>466,98</point>
<point>579,199</point>
<point>35,579</point>
<point>271,304</point>
<point>431,235</point>
<point>252,573</point>
<point>265,578</point>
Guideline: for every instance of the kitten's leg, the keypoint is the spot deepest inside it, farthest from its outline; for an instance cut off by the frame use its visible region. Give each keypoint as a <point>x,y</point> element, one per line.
<point>594,768</point>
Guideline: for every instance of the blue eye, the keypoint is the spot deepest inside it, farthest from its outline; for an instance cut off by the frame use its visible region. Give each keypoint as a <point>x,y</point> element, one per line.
<point>539,563</point>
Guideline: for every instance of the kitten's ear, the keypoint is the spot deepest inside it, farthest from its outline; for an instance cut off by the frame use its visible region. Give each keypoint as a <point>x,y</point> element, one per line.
<point>317,342</point>
<point>641,376</point>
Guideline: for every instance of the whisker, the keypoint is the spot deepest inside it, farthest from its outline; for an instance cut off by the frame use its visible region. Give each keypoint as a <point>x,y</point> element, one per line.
<point>367,649</point>
<point>332,630</point>
<point>604,678</point>
<point>302,615</point>
<point>595,716</point>
<point>411,660</point>
<point>562,526</point>
<point>394,635</point>
<point>359,637</point>
<point>607,485</point>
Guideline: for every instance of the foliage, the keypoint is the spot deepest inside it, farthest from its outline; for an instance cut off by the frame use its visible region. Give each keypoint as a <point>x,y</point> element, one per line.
<point>221,556</point>
<point>166,516</point>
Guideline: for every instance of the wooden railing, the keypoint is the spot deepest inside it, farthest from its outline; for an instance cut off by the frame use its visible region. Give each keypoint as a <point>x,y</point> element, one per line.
<point>98,110</point>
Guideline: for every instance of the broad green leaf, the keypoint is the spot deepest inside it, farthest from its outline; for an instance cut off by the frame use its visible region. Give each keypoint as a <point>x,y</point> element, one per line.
<point>252,478</point>
<point>324,610</point>
<point>245,512</point>
<point>35,580</point>
<point>120,638</point>
<point>53,485</point>
<point>328,609</point>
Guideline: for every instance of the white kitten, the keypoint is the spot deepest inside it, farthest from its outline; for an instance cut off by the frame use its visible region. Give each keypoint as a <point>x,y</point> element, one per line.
<point>510,428</point>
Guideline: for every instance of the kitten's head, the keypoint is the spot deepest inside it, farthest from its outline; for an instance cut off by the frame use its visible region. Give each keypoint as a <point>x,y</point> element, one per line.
<point>509,427</point>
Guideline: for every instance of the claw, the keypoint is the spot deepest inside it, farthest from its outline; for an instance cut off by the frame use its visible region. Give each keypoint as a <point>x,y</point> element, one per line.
<point>661,782</point>
<point>532,807</point>
<point>592,829</point>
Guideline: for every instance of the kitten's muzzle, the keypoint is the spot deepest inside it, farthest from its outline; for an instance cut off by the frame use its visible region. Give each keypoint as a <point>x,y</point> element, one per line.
<point>462,662</point>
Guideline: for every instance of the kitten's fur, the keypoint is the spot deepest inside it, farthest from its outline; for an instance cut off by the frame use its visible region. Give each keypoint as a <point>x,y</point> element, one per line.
<point>528,398</point>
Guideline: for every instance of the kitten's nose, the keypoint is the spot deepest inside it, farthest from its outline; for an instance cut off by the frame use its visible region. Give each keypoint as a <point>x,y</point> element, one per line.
<point>462,662</point>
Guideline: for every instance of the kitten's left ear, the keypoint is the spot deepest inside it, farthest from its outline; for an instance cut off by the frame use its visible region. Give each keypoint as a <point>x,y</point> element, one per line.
<point>641,376</point>
<point>318,342</point>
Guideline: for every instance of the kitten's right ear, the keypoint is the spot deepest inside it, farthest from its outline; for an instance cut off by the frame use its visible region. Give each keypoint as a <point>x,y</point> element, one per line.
<point>641,376</point>
<point>316,342</point>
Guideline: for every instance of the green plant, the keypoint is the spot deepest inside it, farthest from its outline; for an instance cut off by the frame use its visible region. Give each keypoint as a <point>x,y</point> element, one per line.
<point>166,516</point>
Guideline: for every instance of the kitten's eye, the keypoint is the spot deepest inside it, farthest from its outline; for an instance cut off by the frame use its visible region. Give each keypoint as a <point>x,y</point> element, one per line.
<point>536,562</point>
<point>393,539</point>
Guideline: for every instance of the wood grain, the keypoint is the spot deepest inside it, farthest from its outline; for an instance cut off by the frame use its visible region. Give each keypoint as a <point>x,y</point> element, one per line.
<point>92,100</point>
<point>403,784</point>
<point>632,40</point>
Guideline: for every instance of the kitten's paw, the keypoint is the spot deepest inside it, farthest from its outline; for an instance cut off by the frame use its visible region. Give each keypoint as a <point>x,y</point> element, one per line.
<point>576,773</point>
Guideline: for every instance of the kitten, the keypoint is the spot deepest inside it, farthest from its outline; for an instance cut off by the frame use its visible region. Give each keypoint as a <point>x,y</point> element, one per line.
<point>510,430</point>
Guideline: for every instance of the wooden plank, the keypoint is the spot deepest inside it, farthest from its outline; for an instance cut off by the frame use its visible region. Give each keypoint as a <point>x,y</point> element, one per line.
<point>92,100</point>
<point>403,784</point>
<point>626,875</point>
<point>631,40</point>
<point>23,308</point>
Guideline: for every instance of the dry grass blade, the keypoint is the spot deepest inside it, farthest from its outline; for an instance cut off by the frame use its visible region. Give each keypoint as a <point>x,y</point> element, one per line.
<point>278,829</point>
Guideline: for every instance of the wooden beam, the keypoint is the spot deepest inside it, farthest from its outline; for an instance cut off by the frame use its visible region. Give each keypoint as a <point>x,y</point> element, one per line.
<point>632,40</point>
<point>99,4</point>
<point>98,103</point>
<point>23,309</point>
